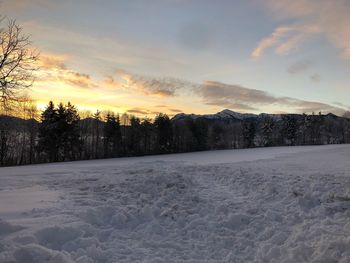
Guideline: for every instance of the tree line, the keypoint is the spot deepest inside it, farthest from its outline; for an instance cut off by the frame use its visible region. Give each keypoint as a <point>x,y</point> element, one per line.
<point>60,134</point>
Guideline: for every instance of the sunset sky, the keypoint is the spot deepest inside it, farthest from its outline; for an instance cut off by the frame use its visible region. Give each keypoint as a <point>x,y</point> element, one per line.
<point>193,56</point>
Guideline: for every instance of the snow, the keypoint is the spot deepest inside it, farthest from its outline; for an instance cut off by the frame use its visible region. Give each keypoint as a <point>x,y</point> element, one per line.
<point>224,114</point>
<point>283,204</point>
<point>227,115</point>
<point>25,199</point>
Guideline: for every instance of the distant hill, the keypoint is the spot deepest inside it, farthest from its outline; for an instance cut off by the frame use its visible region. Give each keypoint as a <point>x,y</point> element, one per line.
<point>15,121</point>
<point>229,115</point>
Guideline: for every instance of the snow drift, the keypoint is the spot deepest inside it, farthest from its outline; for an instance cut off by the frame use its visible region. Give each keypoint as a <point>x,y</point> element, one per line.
<point>287,204</point>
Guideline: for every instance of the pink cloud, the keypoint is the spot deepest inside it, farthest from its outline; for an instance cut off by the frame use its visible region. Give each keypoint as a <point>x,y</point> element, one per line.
<point>327,17</point>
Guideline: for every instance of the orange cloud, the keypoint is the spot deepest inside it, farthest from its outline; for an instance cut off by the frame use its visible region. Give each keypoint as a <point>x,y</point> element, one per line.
<point>52,61</point>
<point>161,87</point>
<point>111,82</point>
<point>79,79</point>
<point>53,68</point>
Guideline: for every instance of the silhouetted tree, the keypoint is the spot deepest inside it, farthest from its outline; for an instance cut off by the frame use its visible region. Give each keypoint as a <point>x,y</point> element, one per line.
<point>111,135</point>
<point>164,133</point>
<point>267,129</point>
<point>216,136</point>
<point>289,130</point>
<point>62,136</point>
<point>70,138</point>
<point>48,138</point>
<point>146,131</point>
<point>17,60</point>
<point>248,132</point>
<point>199,129</point>
<point>134,136</point>
<point>96,137</point>
<point>59,138</point>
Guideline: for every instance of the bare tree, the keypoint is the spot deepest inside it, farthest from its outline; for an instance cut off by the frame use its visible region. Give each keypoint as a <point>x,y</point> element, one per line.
<point>17,61</point>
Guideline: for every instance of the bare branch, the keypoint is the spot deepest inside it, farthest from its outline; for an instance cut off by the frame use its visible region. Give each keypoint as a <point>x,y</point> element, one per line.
<point>17,61</point>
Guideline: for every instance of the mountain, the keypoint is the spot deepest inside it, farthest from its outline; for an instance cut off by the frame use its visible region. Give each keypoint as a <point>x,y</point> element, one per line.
<point>226,115</point>
<point>11,121</point>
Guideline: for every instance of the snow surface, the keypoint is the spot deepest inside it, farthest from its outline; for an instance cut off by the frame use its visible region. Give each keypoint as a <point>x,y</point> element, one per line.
<point>283,204</point>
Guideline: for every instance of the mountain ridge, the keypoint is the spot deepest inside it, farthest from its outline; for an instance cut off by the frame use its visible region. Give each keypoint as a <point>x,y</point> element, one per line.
<point>228,114</point>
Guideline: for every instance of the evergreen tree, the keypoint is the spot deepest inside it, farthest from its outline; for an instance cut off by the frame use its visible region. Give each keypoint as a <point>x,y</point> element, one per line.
<point>117,142</point>
<point>289,129</point>
<point>267,127</point>
<point>248,132</point>
<point>134,137</point>
<point>4,136</point>
<point>96,134</point>
<point>58,134</point>
<point>318,123</point>
<point>302,130</point>
<point>107,134</point>
<point>61,128</point>
<point>47,137</point>
<point>146,130</point>
<point>70,135</point>
<point>164,132</point>
<point>199,130</point>
<point>112,135</point>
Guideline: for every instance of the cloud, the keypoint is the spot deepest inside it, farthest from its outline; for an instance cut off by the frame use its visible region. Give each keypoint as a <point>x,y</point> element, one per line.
<point>299,67</point>
<point>175,110</point>
<point>168,108</point>
<point>226,103</point>
<point>161,87</point>
<point>233,96</point>
<point>69,77</point>
<point>218,90</point>
<point>143,112</point>
<point>53,68</point>
<point>303,106</point>
<point>267,42</point>
<point>52,61</point>
<point>285,38</point>
<point>15,5</point>
<point>302,67</point>
<point>315,77</point>
<point>138,111</point>
<point>241,98</point>
<point>327,17</point>
<point>111,82</point>
<point>79,79</point>
<point>341,105</point>
<point>161,106</point>
<point>219,94</point>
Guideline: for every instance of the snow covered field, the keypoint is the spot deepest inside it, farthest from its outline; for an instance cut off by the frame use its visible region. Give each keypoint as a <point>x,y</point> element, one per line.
<point>285,204</point>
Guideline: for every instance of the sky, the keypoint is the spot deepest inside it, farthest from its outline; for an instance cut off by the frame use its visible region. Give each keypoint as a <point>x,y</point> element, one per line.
<point>194,56</point>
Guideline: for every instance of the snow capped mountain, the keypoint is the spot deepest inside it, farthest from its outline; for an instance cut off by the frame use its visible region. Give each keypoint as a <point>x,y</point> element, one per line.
<point>226,115</point>
<point>232,114</point>
<point>229,115</point>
